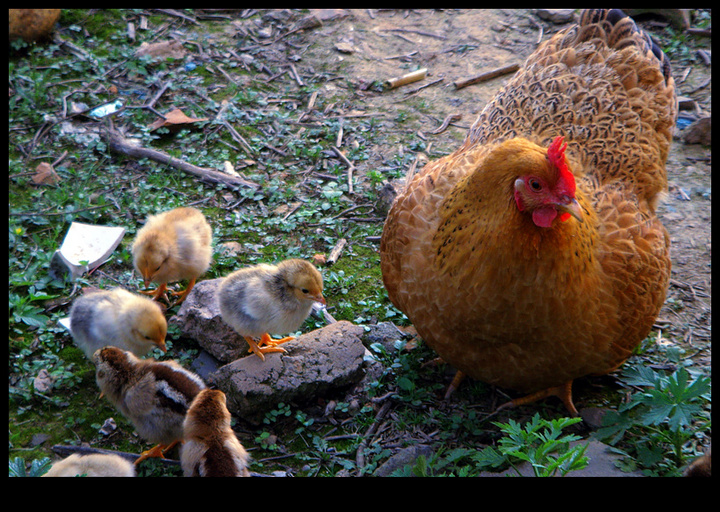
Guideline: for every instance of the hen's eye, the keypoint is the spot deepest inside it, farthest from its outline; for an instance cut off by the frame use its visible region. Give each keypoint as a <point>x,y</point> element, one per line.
<point>535,185</point>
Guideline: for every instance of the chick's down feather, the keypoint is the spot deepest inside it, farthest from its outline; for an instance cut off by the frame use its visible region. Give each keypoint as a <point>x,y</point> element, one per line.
<point>210,447</point>
<point>269,299</point>
<point>173,246</point>
<point>532,255</point>
<point>153,395</point>
<point>119,318</point>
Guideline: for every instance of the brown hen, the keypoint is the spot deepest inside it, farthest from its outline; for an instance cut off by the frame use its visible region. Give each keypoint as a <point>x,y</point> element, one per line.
<point>532,255</point>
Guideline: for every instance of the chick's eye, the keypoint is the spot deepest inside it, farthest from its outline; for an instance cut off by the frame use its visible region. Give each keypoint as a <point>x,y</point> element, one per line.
<point>535,185</point>
<point>304,290</point>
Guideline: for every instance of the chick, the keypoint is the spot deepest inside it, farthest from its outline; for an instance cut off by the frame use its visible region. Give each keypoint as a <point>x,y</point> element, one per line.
<point>264,299</point>
<point>210,447</point>
<point>173,246</point>
<point>96,464</point>
<point>153,395</point>
<point>119,318</point>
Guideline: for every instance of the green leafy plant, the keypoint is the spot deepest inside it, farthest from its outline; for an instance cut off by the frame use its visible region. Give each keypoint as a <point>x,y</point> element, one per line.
<point>38,467</point>
<point>542,444</point>
<point>658,422</point>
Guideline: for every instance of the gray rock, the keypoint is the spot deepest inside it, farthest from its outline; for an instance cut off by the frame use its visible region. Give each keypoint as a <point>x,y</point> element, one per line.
<point>556,16</point>
<point>699,132</point>
<point>199,319</point>
<point>313,365</point>
<point>406,456</point>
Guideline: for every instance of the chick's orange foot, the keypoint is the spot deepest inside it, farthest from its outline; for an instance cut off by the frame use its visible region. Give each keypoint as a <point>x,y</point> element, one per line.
<point>266,345</point>
<point>563,392</point>
<point>156,452</point>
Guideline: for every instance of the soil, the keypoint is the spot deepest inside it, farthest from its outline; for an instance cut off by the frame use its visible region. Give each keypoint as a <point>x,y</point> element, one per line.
<point>371,46</point>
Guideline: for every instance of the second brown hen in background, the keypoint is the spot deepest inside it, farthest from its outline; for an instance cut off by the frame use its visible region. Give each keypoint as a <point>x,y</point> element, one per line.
<point>532,255</point>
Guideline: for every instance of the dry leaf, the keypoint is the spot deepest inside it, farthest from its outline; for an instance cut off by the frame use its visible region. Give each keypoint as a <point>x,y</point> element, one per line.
<point>165,49</point>
<point>45,175</point>
<point>175,119</point>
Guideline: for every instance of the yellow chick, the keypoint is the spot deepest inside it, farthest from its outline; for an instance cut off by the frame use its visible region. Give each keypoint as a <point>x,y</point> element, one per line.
<point>119,318</point>
<point>210,447</point>
<point>96,464</point>
<point>264,299</point>
<point>173,246</point>
<point>153,395</point>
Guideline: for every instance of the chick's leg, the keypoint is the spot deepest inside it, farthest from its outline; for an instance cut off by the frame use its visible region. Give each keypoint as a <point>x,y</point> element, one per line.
<point>262,347</point>
<point>563,391</point>
<point>184,293</point>
<point>156,293</point>
<point>156,452</point>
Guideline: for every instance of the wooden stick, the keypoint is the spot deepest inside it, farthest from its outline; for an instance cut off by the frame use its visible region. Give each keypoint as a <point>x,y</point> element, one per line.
<point>336,251</point>
<point>392,83</point>
<point>117,143</point>
<point>351,168</point>
<point>488,75</point>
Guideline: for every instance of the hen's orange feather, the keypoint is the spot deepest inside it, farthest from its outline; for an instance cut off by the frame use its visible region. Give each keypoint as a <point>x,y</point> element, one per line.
<point>521,306</point>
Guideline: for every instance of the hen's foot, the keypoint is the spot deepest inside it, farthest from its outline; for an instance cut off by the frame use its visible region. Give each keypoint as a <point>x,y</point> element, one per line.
<point>563,392</point>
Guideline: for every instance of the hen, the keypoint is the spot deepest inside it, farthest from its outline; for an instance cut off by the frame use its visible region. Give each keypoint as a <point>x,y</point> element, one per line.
<point>532,255</point>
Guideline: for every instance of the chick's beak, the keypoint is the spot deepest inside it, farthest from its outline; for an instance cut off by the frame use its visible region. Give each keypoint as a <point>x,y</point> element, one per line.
<point>573,208</point>
<point>319,298</point>
<point>161,345</point>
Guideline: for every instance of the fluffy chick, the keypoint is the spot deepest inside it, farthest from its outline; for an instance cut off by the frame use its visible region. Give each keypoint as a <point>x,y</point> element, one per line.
<point>119,318</point>
<point>153,395</point>
<point>173,246</point>
<point>210,447</point>
<point>264,299</point>
<point>96,464</point>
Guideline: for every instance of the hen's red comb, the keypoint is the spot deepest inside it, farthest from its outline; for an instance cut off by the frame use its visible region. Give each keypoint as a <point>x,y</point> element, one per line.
<point>556,155</point>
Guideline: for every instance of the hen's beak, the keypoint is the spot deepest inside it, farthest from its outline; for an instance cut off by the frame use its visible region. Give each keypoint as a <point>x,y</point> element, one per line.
<point>573,208</point>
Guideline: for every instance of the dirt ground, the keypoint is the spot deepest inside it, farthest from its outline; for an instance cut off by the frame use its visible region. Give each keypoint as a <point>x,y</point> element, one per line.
<point>370,46</point>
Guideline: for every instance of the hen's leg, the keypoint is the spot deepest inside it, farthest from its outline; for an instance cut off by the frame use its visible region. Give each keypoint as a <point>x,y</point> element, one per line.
<point>563,391</point>
<point>459,376</point>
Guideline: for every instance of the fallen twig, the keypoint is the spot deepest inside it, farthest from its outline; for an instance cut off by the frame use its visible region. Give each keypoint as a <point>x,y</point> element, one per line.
<point>360,455</point>
<point>117,143</point>
<point>419,74</point>
<point>488,75</point>
<point>446,122</point>
<point>336,251</point>
<point>351,168</point>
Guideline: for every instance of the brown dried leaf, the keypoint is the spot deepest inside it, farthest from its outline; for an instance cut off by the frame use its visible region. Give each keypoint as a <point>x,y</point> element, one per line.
<point>45,175</point>
<point>175,119</point>
<point>164,49</point>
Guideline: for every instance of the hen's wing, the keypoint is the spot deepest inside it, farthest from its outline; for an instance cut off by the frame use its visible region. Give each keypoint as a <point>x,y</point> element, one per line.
<point>607,88</point>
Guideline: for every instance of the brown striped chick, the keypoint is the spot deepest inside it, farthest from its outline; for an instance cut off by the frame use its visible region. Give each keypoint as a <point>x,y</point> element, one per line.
<point>153,395</point>
<point>210,447</point>
<point>96,464</point>
<point>264,299</point>
<point>173,246</point>
<point>119,318</point>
